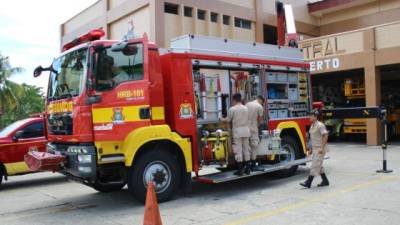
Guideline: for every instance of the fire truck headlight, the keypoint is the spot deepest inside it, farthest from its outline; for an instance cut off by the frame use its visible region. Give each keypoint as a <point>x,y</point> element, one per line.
<point>77,149</point>
<point>84,158</point>
<point>85,169</point>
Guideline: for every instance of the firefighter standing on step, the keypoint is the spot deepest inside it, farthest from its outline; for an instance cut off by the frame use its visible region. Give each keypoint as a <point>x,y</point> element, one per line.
<point>319,139</point>
<point>256,112</point>
<point>238,116</point>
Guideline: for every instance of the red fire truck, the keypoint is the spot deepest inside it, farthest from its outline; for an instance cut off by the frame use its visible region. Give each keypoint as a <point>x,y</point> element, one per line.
<point>127,112</point>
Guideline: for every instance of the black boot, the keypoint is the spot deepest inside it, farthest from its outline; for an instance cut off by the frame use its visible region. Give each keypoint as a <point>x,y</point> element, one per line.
<point>247,168</point>
<point>307,183</point>
<point>325,181</point>
<point>240,170</point>
<point>254,167</point>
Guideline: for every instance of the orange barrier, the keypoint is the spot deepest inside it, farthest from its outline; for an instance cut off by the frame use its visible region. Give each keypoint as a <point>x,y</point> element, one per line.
<point>151,211</point>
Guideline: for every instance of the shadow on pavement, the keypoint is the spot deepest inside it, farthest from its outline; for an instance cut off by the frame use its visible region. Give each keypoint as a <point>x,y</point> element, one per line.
<point>34,182</point>
<point>123,200</point>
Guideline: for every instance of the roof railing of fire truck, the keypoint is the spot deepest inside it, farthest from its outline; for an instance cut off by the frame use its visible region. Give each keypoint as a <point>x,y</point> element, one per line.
<point>92,35</point>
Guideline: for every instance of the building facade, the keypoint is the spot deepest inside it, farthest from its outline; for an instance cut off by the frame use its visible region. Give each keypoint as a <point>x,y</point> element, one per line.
<point>341,38</point>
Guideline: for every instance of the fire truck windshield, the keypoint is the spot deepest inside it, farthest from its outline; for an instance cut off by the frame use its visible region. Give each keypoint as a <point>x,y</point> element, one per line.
<point>68,75</point>
<point>117,66</point>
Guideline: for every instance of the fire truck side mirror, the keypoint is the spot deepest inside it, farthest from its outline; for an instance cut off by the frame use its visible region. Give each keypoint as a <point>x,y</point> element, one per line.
<point>119,47</point>
<point>38,70</point>
<point>124,47</point>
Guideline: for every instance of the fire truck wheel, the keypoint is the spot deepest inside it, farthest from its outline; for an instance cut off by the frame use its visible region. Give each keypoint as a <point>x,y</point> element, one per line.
<point>160,167</point>
<point>1,173</point>
<point>290,145</point>
<point>108,187</point>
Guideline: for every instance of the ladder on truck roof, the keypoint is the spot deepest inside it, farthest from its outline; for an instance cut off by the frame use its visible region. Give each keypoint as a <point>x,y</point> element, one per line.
<point>226,47</point>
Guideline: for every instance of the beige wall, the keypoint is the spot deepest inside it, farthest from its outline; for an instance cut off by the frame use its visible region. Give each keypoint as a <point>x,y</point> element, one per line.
<point>244,34</point>
<point>114,3</point>
<point>360,11</point>
<point>111,15</point>
<point>242,3</point>
<point>85,16</point>
<point>141,22</point>
<point>387,36</point>
<point>300,10</point>
<point>172,27</point>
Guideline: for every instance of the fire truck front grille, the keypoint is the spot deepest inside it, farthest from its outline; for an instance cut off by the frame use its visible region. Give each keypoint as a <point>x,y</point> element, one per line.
<point>60,124</point>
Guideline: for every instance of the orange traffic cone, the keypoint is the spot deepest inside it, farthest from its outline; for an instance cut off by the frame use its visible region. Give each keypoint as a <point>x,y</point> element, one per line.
<point>151,211</point>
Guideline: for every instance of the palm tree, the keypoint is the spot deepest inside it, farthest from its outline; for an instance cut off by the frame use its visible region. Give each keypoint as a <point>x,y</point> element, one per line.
<point>8,90</point>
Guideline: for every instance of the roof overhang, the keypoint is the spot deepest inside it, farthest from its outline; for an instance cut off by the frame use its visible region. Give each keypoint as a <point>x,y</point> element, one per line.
<point>321,7</point>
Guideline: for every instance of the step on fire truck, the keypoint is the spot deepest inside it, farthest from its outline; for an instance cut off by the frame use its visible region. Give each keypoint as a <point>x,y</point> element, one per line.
<point>127,112</point>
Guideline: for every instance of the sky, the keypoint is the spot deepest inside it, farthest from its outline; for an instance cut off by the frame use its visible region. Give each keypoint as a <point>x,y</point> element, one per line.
<point>30,33</point>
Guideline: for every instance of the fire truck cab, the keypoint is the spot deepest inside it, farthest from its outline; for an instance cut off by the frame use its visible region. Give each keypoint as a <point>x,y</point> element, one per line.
<point>127,112</point>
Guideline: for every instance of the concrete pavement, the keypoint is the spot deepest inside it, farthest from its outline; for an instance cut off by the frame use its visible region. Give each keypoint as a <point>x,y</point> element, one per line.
<point>358,195</point>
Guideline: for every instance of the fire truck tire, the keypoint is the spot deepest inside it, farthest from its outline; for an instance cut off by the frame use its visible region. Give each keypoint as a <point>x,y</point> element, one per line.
<point>160,167</point>
<point>1,173</point>
<point>293,147</point>
<point>105,188</point>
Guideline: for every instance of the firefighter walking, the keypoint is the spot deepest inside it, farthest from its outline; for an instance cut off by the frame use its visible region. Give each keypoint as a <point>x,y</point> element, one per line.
<point>238,116</point>
<point>319,139</point>
<point>256,112</point>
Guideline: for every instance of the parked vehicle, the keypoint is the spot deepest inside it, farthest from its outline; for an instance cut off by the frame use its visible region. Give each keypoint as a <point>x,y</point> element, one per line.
<point>128,113</point>
<point>15,141</point>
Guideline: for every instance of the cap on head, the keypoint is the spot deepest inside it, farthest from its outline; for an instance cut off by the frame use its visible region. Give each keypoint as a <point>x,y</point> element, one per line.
<point>315,113</point>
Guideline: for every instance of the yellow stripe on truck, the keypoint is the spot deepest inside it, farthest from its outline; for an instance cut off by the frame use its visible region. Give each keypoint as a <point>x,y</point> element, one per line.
<point>16,168</point>
<point>106,115</point>
<point>157,113</point>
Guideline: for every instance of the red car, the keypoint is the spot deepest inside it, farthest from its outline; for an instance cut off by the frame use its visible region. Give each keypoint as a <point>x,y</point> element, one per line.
<point>15,141</point>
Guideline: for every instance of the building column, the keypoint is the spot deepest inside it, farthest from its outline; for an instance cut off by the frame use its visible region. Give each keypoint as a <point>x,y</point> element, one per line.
<point>259,21</point>
<point>181,15</point>
<point>195,19</point>
<point>220,24</point>
<point>372,78</point>
<point>208,22</point>
<point>232,27</point>
<point>157,33</point>
<point>106,28</point>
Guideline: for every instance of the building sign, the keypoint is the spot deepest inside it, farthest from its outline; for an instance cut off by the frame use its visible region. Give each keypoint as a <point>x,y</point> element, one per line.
<point>321,48</point>
<point>324,64</point>
<point>322,54</point>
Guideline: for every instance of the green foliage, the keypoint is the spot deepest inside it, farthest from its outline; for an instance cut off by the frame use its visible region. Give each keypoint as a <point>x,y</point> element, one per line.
<point>16,101</point>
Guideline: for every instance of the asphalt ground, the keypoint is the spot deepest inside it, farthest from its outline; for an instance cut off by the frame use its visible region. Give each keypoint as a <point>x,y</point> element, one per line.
<point>357,195</point>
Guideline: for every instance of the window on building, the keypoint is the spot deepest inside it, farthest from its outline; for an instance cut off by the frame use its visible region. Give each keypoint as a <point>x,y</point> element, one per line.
<point>226,19</point>
<point>201,14</point>
<point>242,23</point>
<point>188,11</point>
<point>270,34</point>
<point>171,8</point>
<point>214,17</point>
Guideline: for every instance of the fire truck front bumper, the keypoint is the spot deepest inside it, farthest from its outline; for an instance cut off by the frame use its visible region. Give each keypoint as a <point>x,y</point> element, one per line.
<point>80,160</point>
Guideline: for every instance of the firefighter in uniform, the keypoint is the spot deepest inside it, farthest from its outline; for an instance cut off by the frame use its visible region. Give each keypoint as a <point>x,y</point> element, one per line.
<point>238,116</point>
<point>256,112</point>
<point>319,139</point>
